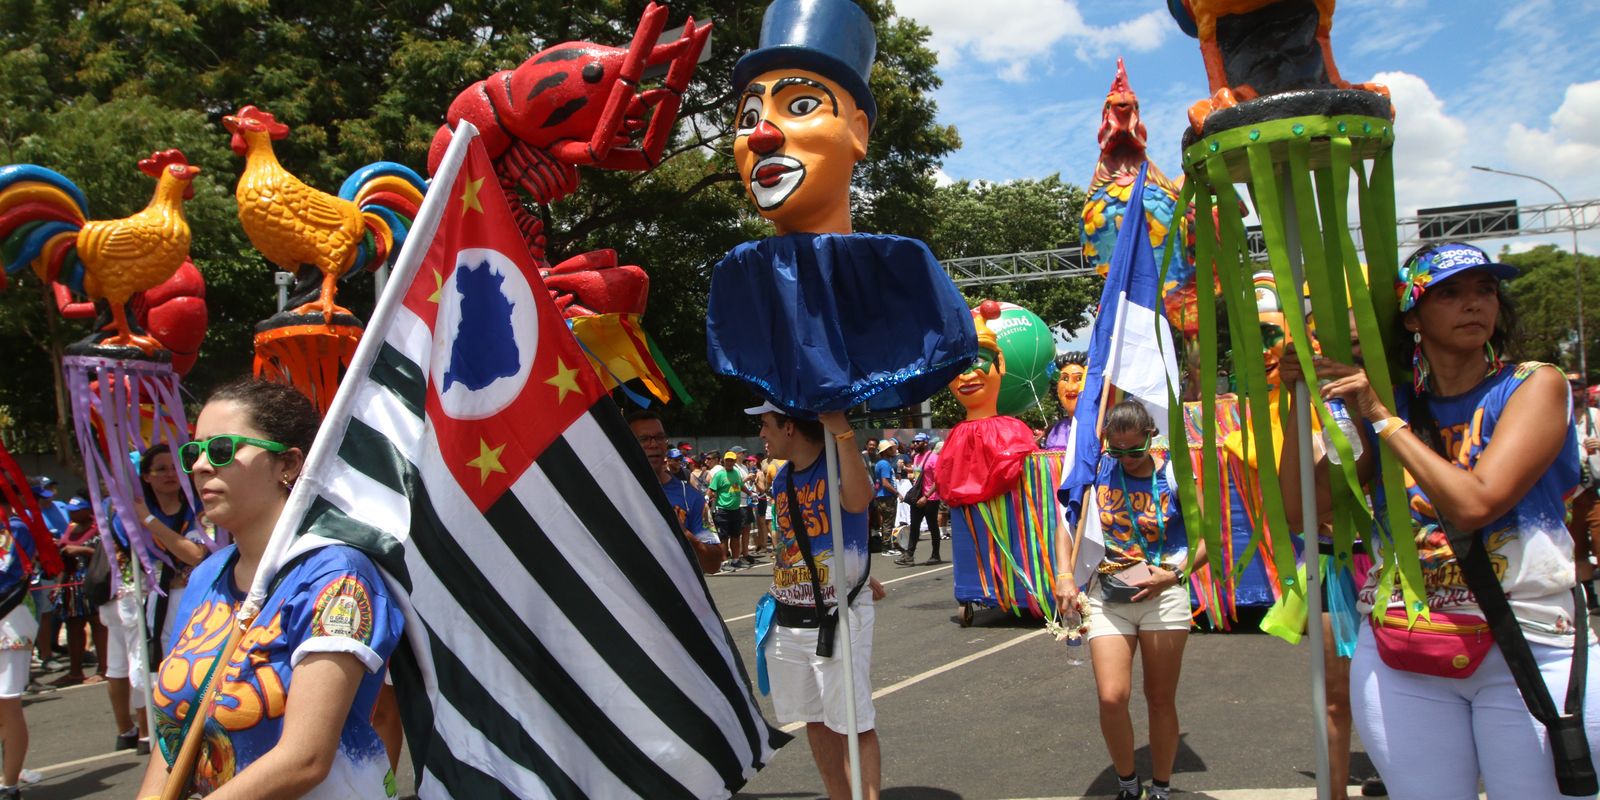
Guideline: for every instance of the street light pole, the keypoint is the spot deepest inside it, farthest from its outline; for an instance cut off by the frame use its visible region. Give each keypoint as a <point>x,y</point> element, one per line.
<point>1577,262</point>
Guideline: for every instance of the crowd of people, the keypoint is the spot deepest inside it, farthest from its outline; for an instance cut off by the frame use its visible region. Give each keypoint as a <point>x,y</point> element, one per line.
<point>1503,468</point>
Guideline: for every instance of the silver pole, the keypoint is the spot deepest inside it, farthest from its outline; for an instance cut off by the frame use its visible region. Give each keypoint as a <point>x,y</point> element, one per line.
<point>841,590</point>
<point>1308,502</point>
<point>1577,261</point>
<point>283,280</point>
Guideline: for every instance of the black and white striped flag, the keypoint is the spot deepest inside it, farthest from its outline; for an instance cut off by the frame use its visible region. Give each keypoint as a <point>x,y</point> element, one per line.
<point>560,638</point>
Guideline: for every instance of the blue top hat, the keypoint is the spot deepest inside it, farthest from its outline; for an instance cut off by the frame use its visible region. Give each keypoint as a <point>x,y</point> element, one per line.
<point>832,38</point>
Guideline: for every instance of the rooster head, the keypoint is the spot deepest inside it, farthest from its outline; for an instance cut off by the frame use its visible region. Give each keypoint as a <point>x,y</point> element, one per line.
<point>1122,134</point>
<point>252,120</point>
<point>172,161</point>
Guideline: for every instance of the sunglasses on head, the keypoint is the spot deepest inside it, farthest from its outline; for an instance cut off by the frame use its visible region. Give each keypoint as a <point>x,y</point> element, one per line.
<point>1128,452</point>
<point>221,449</point>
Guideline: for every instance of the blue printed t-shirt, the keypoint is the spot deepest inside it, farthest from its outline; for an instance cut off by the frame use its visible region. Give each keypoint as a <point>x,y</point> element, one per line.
<point>1528,547</point>
<point>332,600</point>
<point>791,581</point>
<point>880,471</point>
<point>691,508</point>
<point>1134,528</point>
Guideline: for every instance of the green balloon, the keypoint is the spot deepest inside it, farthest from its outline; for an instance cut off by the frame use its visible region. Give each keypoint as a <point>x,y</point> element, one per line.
<point>1029,346</point>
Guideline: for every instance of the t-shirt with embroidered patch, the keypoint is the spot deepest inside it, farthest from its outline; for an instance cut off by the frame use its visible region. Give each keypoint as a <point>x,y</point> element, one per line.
<point>1528,547</point>
<point>791,580</point>
<point>332,600</point>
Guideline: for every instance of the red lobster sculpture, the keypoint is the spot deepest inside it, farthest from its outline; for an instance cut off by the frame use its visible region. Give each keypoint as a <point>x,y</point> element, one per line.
<point>580,104</point>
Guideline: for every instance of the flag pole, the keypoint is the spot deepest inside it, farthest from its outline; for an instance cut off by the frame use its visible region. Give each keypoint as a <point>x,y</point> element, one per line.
<point>1308,505</point>
<point>331,432</point>
<point>841,593</point>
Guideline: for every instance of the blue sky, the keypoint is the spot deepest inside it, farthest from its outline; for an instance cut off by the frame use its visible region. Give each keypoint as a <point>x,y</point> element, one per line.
<point>1512,85</point>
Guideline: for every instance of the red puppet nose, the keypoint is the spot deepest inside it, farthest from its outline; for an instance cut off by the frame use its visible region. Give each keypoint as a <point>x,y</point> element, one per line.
<point>766,138</point>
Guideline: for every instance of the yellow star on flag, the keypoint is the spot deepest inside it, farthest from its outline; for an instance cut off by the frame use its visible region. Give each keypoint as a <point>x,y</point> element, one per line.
<point>488,461</point>
<point>469,196</point>
<point>565,379</point>
<point>438,287</point>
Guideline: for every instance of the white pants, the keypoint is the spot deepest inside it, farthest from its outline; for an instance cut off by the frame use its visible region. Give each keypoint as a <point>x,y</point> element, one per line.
<point>809,688</point>
<point>121,618</point>
<point>1432,737</point>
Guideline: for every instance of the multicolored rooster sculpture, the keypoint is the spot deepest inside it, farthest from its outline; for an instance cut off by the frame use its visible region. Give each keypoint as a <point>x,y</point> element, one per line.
<point>143,258</point>
<point>306,231</point>
<point>1122,153</point>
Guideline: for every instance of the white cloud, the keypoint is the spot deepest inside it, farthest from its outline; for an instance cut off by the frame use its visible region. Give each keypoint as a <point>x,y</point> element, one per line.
<point>1566,152</point>
<point>1430,147</point>
<point>940,178</point>
<point>1025,31</point>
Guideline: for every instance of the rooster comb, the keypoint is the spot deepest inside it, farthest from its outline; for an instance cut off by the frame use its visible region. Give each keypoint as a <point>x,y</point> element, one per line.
<point>274,127</point>
<point>1120,84</point>
<point>160,160</point>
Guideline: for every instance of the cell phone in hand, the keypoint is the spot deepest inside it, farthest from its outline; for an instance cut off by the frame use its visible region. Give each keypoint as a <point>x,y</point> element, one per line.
<point>1136,575</point>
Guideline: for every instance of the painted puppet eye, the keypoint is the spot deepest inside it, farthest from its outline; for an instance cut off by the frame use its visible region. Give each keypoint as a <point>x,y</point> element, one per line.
<point>749,114</point>
<point>801,106</point>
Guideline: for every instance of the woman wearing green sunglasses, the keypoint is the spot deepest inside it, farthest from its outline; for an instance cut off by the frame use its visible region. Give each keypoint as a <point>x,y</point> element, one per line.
<point>1138,599</point>
<point>294,700</point>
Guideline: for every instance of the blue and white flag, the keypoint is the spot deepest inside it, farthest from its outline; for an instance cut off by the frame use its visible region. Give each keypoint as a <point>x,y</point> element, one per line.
<point>1131,350</point>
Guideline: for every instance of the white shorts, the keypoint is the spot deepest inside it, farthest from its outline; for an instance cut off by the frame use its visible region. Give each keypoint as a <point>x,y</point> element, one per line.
<point>1168,611</point>
<point>121,618</point>
<point>807,688</point>
<point>14,666</point>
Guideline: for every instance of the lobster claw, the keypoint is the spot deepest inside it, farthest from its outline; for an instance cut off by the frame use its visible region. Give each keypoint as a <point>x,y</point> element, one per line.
<point>598,285</point>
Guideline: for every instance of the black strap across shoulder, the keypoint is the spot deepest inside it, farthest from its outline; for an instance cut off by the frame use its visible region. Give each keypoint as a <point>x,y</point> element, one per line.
<point>825,620</point>
<point>1575,773</point>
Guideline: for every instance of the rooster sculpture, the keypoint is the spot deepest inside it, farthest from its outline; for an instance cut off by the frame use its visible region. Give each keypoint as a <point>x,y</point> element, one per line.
<point>44,221</point>
<point>1257,48</point>
<point>1122,153</point>
<point>309,232</point>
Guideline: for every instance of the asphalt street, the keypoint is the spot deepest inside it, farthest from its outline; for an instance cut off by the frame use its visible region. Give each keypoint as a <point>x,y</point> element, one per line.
<point>990,711</point>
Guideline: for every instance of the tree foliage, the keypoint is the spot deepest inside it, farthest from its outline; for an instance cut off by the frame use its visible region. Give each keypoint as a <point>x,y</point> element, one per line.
<point>90,88</point>
<point>1545,298</point>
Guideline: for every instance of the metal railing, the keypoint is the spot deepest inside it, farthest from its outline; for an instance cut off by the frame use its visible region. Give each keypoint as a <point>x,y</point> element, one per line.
<point>1528,220</point>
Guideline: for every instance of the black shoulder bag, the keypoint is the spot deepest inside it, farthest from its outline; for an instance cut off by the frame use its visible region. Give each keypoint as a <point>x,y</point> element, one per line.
<point>826,622</point>
<point>1575,773</point>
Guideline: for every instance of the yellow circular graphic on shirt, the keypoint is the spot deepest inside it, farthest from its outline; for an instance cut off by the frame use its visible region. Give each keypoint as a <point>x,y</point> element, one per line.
<point>343,609</point>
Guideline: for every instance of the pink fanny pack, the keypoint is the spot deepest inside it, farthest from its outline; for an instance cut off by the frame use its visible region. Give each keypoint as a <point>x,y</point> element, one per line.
<point>1445,645</point>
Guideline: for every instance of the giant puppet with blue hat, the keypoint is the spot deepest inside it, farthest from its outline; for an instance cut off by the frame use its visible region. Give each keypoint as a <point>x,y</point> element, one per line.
<point>816,289</point>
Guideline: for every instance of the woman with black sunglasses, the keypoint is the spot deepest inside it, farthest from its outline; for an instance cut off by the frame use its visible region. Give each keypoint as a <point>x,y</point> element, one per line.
<point>1138,597</point>
<point>294,699</point>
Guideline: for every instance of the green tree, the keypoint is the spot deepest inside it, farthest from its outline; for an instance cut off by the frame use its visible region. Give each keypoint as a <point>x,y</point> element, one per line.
<point>89,88</point>
<point>1544,299</point>
<point>972,219</point>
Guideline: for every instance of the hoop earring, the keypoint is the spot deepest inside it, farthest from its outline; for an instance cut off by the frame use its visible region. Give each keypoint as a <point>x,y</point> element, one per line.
<point>1419,365</point>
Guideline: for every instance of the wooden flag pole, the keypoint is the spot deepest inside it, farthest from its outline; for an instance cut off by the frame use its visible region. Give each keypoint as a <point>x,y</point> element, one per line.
<point>181,773</point>
<point>841,593</point>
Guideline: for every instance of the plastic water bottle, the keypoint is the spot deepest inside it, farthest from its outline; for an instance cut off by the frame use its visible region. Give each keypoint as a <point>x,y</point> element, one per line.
<point>1071,620</point>
<point>1341,417</point>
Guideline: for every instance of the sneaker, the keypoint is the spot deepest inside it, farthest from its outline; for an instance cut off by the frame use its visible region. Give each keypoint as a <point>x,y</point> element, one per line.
<point>930,562</point>
<point>28,777</point>
<point>127,740</point>
<point>143,747</point>
<point>1373,787</point>
<point>11,792</point>
<point>903,561</point>
<point>1127,795</point>
<point>729,566</point>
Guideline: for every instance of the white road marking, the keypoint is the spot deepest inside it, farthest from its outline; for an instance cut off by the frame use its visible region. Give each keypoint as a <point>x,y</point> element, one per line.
<point>936,671</point>
<point>885,583</point>
<point>86,760</point>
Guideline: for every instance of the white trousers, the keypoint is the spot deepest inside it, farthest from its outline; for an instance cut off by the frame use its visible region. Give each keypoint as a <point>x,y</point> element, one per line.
<point>1433,737</point>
